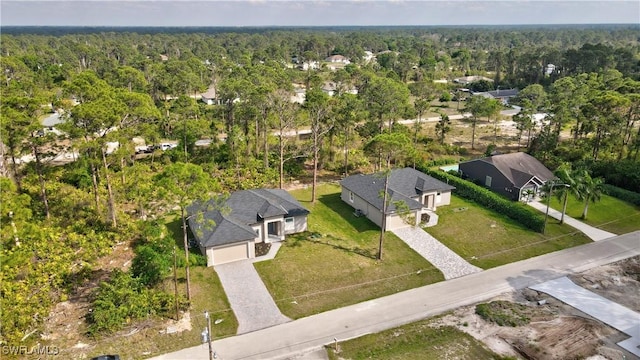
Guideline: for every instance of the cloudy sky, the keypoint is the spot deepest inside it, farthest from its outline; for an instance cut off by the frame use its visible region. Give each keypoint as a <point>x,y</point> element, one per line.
<point>315,13</point>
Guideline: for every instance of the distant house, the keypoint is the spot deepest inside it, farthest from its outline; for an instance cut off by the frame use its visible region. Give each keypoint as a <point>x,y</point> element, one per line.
<point>246,218</point>
<point>337,59</point>
<point>421,193</point>
<point>210,97</point>
<point>511,175</point>
<point>465,80</point>
<point>331,88</point>
<point>504,95</point>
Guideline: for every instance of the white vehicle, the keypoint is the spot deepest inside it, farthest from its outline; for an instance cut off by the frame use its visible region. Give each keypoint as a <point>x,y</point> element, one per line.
<point>167,146</point>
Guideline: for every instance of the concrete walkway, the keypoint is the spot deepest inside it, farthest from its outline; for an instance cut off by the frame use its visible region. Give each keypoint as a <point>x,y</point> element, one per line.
<point>250,300</point>
<point>593,233</point>
<point>605,310</point>
<point>447,261</point>
<point>306,334</point>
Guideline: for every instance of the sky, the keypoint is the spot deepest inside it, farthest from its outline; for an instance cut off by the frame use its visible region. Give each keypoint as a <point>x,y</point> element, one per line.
<point>315,13</point>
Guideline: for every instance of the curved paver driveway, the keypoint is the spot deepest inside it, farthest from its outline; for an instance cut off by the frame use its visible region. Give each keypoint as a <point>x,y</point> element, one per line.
<point>249,298</point>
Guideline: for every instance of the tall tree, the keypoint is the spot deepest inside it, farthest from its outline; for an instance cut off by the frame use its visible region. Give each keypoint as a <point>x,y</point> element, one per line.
<point>181,184</point>
<point>318,106</point>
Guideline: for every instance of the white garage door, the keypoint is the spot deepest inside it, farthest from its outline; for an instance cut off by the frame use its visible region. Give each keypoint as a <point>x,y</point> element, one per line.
<point>230,253</point>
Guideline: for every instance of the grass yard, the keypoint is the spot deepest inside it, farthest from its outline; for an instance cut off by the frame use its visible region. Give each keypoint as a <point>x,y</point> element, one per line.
<point>609,214</point>
<point>487,239</point>
<point>419,341</point>
<point>334,264</point>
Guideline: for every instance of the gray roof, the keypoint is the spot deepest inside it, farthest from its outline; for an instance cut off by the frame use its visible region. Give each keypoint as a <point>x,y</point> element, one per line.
<point>519,167</point>
<point>230,222</point>
<point>404,184</point>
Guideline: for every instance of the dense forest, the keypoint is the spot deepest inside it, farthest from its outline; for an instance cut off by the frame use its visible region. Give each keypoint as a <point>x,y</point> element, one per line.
<point>143,87</point>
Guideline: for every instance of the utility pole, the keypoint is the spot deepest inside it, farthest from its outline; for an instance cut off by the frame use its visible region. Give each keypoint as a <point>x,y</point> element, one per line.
<point>175,282</point>
<point>211,353</point>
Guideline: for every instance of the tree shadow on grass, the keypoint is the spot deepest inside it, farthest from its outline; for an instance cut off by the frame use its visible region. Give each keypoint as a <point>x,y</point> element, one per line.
<point>298,240</point>
<point>358,223</point>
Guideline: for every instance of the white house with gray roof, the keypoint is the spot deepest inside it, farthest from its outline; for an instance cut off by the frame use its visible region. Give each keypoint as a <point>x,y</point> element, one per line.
<point>421,193</point>
<point>229,231</point>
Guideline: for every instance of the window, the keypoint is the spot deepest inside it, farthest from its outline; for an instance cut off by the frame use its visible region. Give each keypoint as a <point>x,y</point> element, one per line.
<point>487,181</point>
<point>289,224</point>
<point>351,196</point>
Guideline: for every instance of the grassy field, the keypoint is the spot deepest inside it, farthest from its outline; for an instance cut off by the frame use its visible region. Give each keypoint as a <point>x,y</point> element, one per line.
<point>487,239</point>
<point>334,264</point>
<point>419,341</point>
<point>609,214</point>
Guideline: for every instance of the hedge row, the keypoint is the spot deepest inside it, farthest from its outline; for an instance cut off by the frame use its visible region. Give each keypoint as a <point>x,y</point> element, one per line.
<point>622,194</point>
<point>525,215</point>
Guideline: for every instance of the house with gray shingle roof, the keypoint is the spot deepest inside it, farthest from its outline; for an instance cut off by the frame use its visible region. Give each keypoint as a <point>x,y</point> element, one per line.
<point>420,193</point>
<point>511,175</point>
<point>230,230</point>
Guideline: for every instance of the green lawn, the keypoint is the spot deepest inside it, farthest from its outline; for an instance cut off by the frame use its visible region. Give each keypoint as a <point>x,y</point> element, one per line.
<point>488,239</point>
<point>609,214</point>
<point>419,341</point>
<point>334,265</point>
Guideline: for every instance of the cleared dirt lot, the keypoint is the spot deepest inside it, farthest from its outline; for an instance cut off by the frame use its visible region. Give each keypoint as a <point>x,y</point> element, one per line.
<point>556,330</point>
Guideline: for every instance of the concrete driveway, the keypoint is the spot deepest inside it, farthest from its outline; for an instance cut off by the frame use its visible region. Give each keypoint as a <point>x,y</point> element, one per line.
<point>605,310</point>
<point>250,300</point>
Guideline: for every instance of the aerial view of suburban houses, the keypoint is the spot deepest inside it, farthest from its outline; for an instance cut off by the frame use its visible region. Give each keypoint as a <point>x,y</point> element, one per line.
<point>320,180</point>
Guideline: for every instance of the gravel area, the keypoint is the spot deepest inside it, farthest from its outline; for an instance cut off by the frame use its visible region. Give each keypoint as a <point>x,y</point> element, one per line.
<point>249,298</point>
<point>450,263</point>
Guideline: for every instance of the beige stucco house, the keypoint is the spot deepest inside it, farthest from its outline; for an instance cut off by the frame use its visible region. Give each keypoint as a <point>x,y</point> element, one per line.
<point>421,194</point>
<point>229,231</point>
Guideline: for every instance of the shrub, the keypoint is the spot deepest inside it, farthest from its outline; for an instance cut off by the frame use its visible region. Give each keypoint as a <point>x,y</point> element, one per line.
<point>524,215</point>
<point>622,194</point>
<point>503,313</point>
<point>123,299</point>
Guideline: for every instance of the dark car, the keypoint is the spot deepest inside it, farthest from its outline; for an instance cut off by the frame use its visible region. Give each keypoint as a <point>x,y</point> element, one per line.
<point>106,357</point>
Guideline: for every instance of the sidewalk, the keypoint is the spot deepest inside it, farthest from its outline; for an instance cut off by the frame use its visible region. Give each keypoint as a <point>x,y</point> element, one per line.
<point>593,233</point>
<point>372,316</point>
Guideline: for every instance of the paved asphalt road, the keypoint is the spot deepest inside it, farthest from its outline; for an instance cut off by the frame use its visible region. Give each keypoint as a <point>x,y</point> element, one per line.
<point>380,314</point>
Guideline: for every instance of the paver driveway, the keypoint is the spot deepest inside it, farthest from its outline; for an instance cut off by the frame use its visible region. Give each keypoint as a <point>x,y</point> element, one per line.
<point>250,300</point>
<point>447,261</point>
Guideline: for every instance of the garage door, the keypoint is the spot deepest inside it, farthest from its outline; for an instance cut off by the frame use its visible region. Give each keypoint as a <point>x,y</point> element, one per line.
<point>230,253</point>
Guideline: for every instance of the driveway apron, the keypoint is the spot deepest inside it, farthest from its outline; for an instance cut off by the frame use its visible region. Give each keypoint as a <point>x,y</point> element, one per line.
<point>447,261</point>
<point>592,233</point>
<point>605,310</point>
<point>250,301</point>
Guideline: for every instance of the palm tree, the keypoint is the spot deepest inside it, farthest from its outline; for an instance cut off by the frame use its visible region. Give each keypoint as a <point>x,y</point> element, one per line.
<point>567,176</point>
<point>590,189</point>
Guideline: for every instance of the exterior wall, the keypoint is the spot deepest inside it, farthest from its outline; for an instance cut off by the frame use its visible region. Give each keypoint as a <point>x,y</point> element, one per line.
<point>445,198</point>
<point>265,227</point>
<point>300,225</point>
<point>370,211</point>
<point>478,170</point>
